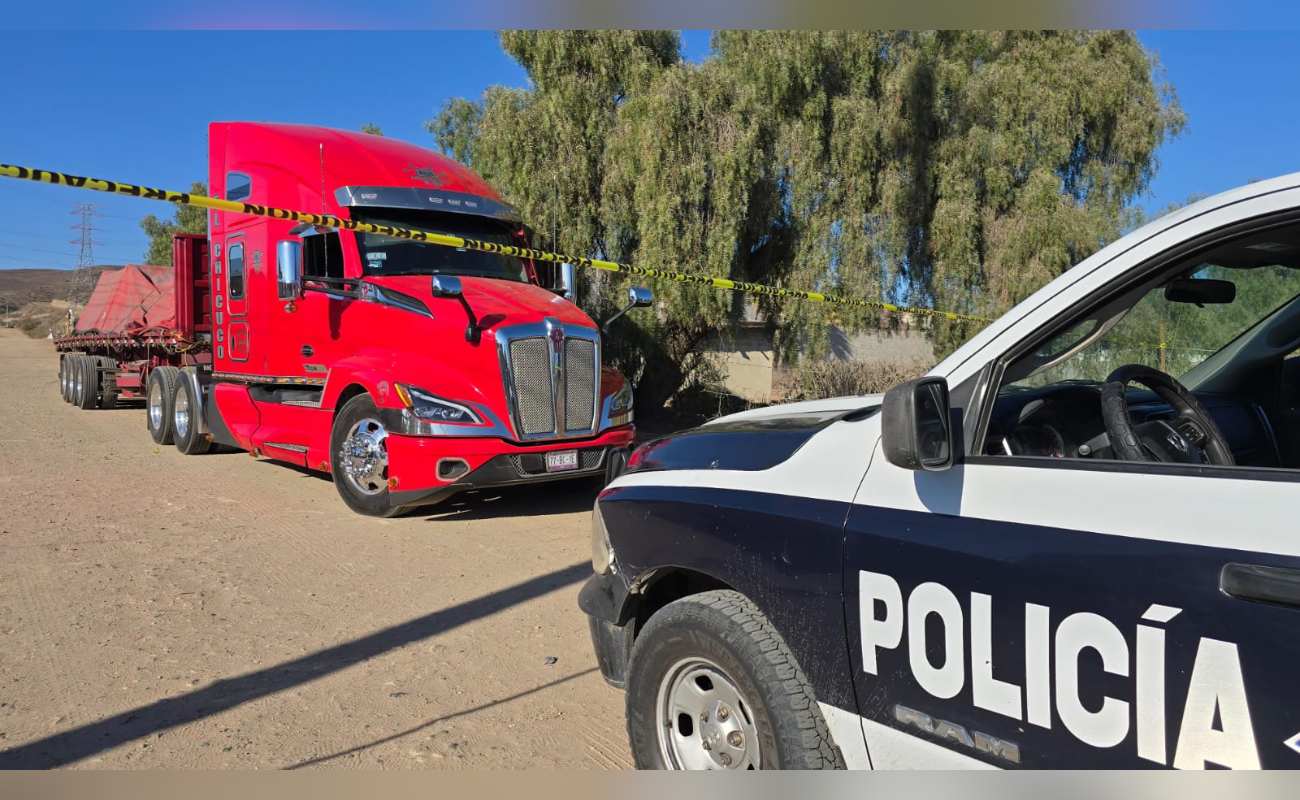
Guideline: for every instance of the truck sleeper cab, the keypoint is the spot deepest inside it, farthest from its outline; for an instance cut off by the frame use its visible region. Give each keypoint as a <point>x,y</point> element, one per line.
<point>1072,544</point>
<point>409,371</point>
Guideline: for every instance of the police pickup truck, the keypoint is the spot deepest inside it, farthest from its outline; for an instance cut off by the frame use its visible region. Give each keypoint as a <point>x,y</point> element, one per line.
<point>1072,544</point>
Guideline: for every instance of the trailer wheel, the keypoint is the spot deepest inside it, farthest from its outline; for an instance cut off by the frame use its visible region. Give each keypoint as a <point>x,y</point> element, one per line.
<point>158,404</point>
<point>65,380</point>
<point>70,374</point>
<point>359,458</point>
<point>185,423</point>
<point>107,382</point>
<point>87,382</point>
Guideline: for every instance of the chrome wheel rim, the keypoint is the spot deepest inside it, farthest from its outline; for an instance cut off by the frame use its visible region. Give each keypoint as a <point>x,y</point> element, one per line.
<point>155,405</point>
<point>63,377</point>
<point>181,414</point>
<point>76,383</point>
<point>363,457</point>
<point>703,720</point>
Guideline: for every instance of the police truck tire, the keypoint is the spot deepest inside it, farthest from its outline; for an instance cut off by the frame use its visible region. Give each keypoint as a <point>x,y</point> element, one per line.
<point>88,397</point>
<point>158,404</point>
<point>185,426</point>
<point>721,641</point>
<point>364,488</point>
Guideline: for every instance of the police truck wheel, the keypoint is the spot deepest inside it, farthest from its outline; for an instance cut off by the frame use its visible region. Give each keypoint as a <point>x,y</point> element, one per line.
<point>185,420</point>
<point>712,685</point>
<point>87,382</point>
<point>158,404</point>
<point>359,458</point>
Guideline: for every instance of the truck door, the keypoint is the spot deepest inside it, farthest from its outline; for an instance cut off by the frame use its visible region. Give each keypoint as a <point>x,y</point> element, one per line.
<point>236,290</point>
<point>306,329</point>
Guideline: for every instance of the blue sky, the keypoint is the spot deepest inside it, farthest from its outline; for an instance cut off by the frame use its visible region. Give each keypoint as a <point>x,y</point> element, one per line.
<point>142,118</point>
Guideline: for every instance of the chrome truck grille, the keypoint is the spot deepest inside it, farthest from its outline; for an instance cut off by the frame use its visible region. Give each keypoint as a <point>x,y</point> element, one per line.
<point>551,373</point>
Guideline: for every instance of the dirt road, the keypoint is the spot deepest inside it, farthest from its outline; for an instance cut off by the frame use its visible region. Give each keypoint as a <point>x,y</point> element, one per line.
<point>160,610</point>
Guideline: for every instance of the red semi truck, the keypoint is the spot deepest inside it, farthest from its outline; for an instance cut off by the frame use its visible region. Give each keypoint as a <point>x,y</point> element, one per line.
<point>407,370</point>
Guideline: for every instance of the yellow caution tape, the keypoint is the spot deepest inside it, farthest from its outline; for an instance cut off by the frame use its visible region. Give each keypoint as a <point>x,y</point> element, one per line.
<point>252,209</point>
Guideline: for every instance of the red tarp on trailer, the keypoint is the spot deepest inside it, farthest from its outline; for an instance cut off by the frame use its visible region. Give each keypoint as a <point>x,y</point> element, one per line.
<point>133,300</point>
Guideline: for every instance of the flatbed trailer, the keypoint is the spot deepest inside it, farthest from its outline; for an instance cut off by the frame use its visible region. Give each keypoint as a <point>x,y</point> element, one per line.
<point>99,367</point>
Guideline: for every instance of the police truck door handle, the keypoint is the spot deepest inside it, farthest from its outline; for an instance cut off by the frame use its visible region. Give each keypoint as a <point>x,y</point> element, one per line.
<point>1276,585</point>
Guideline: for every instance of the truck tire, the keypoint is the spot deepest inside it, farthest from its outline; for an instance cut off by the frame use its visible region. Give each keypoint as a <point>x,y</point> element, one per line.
<point>65,377</point>
<point>70,391</point>
<point>88,385</point>
<point>185,423</point>
<point>756,710</point>
<point>359,458</point>
<point>107,382</point>
<point>158,404</point>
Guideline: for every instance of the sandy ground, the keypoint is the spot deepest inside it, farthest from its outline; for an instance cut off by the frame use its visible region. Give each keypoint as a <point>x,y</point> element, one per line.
<point>160,610</point>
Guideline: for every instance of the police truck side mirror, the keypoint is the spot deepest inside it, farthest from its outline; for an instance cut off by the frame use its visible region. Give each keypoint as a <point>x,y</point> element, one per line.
<point>568,283</point>
<point>288,270</point>
<point>916,428</point>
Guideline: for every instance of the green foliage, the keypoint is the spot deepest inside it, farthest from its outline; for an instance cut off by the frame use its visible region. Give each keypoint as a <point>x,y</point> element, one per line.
<point>188,219</point>
<point>372,129</point>
<point>959,170</point>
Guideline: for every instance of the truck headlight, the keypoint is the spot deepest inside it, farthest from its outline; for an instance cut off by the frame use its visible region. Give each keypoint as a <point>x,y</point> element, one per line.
<point>430,408</point>
<point>621,400</point>
<point>602,555</point>
<point>620,405</point>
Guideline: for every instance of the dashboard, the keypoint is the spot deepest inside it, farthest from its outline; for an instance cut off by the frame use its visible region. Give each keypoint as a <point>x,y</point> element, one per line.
<point>1064,420</point>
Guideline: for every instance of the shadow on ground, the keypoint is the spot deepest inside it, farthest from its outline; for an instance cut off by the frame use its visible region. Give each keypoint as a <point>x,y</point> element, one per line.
<point>96,737</point>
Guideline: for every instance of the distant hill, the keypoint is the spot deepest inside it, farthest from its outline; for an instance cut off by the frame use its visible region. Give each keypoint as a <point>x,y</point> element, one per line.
<point>22,286</point>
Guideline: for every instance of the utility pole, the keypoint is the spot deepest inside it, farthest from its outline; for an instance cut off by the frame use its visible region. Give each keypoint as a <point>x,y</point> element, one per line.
<point>83,277</point>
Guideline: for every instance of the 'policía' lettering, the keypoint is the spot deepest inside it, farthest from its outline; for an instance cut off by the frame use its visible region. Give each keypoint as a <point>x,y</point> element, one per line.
<point>1216,726</point>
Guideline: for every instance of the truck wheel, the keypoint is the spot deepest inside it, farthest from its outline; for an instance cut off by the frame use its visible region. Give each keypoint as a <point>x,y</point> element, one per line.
<point>107,382</point>
<point>65,377</point>
<point>359,458</point>
<point>158,404</point>
<point>87,382</point>
<point>711,685</point>
<point>185,422</point>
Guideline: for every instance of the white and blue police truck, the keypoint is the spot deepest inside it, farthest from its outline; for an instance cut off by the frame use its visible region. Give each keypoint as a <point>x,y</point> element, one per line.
<point>1072,544</point>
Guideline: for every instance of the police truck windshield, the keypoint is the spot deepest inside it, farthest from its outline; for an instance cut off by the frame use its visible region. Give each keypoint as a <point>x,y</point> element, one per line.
<point>386,255</point>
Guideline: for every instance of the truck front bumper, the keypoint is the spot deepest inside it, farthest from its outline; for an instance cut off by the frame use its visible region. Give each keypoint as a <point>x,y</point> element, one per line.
<point>414,463</point>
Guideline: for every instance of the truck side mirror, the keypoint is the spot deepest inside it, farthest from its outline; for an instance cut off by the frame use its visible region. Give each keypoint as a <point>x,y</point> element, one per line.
<point>637,297</point>
<point>568,280</point>
<point>916,429</point>
<point>445,286</point>
<point>288,270</point>
<point>449,286</point>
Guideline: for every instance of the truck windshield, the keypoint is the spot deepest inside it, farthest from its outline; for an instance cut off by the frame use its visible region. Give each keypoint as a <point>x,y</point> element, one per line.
<point>385,255</point>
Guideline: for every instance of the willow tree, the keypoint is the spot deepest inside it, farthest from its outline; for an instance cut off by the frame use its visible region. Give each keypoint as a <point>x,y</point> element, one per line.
<point>187,219</point>
<point>957,170</point>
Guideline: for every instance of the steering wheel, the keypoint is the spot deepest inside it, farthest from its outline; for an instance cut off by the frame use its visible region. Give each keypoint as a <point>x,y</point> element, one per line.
<point>1191,438</point>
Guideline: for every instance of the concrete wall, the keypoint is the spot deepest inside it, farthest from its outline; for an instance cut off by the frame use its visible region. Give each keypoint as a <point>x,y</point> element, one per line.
<point>748,360</point>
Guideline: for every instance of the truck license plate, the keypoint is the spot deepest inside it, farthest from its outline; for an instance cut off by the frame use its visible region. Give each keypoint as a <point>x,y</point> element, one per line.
<point>561,460</point>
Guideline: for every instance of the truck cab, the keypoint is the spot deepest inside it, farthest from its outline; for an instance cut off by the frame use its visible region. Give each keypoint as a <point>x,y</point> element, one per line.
<point>409,371</point>
<point>1070,545</point>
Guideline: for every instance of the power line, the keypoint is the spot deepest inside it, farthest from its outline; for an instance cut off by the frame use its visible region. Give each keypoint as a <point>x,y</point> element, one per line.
<point>42,250</point>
